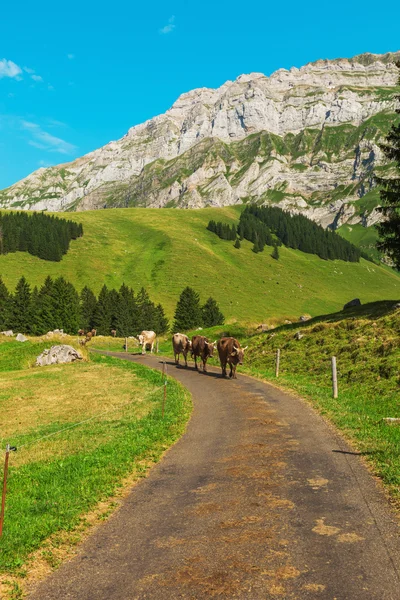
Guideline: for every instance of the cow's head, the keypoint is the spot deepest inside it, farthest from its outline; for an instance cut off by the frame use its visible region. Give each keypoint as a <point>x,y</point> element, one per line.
<point>141,339</point>
<point>211,347</point>
<point>238,354</point>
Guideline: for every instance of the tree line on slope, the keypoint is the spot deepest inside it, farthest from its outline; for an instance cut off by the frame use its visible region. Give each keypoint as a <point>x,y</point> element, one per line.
<point>272,226</point>
<point>57,305</point>
<point>39,234</point>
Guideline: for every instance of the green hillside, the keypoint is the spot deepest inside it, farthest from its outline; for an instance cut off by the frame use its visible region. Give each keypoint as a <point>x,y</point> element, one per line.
<point>165,250</point>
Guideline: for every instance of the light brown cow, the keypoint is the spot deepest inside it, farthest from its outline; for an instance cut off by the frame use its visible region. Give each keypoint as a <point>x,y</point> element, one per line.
<point>94,332</point>
<point>113,332</point>
<point>201,348</point>
<point>147,338</point>
<point>181,345</point>
<point>231,353</point>
<point>81,332</point>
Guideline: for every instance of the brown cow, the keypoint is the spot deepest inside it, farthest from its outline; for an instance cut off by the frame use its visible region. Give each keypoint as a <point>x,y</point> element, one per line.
<point>113,332</point>
<point>147,338</point>
<point>88,336</point>
<point>231,353</point>
<point>81,332</point>
<point>201,348</point>
<point>181,344</point>
<point>94,332</point>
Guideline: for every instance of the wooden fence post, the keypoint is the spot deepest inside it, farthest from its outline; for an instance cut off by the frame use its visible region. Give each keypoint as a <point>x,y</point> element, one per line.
<point>157,347</point>
<point>3,496</point>
<point>334,378</point>
<point>165,388</point>
<point>126,344</point>
<point>277,361</point>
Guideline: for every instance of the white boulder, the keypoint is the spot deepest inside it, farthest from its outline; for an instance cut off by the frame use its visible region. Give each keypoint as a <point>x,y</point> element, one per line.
<point>58,355</point>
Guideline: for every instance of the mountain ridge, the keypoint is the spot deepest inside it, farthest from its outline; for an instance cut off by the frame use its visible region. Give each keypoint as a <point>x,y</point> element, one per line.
<point>328,100</point>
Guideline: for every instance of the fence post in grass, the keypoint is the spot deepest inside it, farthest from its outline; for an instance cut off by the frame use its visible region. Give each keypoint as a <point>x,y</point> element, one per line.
<point>126,344</point>
<point>165,387</point>
<point>334,378</point>
<point>277,361</point>
<point>157,347</point>
<point>3,496</point>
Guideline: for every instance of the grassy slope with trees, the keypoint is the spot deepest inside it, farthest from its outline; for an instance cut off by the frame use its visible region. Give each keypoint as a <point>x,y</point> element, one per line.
<point>166,250</point>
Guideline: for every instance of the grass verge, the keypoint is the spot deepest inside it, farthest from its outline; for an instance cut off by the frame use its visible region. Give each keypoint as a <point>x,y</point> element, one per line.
<point>54,480</point>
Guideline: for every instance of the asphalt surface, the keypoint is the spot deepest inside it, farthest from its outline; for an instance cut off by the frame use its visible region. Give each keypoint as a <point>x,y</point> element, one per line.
<point>259,499</point>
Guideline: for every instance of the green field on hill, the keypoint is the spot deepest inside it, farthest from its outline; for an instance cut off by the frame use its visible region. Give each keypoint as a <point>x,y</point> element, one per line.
<point>165,250</point>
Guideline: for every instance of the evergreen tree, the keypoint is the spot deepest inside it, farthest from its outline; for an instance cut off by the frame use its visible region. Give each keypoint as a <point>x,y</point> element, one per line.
<point>45,310</point>
<point>237,244</point>
<point>188,312</point>
<point>88,303</point>
<point>103,314</point>
<point>162,323</point>
<point>22,307</point>
<point>5,307</point>
<point>389,229</point>
<point>211,314</point>
<point>275,253</point>
<point>146,311</point>
<point>67,309</point>
<point>126,312</point>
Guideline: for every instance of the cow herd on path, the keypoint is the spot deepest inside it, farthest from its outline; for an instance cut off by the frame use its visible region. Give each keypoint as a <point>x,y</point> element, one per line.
<point>229,350</point>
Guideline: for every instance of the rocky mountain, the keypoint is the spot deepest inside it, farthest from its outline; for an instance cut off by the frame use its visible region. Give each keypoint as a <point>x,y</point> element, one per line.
<point>306,138</point>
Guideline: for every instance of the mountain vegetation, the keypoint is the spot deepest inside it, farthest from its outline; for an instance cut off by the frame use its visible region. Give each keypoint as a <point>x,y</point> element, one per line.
<point>273,226</point>
<point>165,251</point>
<point>189,314</point>
<point>41,235</point>
<point>57,305</point>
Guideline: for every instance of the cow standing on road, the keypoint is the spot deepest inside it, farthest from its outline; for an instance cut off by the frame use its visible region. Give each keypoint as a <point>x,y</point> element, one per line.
<point>181,345</point>
<point>201,348</point>
<point>147,338</point>
<point>231,353</point>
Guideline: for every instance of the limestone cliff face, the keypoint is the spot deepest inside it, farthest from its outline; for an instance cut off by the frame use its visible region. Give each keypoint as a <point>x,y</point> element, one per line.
<point>306,138</point>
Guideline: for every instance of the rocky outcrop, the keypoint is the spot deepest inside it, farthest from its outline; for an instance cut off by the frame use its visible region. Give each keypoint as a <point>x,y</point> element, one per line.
<point>306,137</point>
<point>58,355</point>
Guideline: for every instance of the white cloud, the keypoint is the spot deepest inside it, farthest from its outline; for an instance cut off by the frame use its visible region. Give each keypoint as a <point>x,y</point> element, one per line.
<point>169,27</point>
<point>71,56</point>
<point>45,141</point>
<point>28,70</point>
<point>9,69</point>
<point>36,78</point>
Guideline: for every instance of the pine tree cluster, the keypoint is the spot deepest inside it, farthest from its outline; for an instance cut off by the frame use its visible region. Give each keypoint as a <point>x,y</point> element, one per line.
<point>57,305</point>
<point>223,230</point>
<point>39,234</point>
<point>272,226</point>
<point>189,313</point>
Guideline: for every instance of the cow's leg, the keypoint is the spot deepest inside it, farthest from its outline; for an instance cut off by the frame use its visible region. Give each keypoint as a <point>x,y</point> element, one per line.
<point>195,362</point>
<point>204,365</point>
<point>143,348</point>
<point>176,357</point>
<point>231,371</point>
<point>223,367</point>
<point>185,357</point>
<point>152,348</point>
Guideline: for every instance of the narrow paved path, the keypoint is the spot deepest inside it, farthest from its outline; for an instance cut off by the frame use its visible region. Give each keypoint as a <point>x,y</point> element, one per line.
<point>259,499</point>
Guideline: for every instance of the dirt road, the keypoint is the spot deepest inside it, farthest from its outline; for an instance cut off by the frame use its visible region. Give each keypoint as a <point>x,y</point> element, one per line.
<point>259,499</point>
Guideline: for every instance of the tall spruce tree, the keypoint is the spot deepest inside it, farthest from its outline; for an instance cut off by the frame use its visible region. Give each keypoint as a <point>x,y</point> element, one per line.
<point>67,309</point>
<point>212,314</point>
<point>126,312</point>
<point>162,323</point>
<point>45,311</point>
<point>389,229</point>
<point>146,311</point>
<point>22,307</point>
<point>103,314</point>
<point>88,303</point>
<point>188,311</point>
<point>5,307</point>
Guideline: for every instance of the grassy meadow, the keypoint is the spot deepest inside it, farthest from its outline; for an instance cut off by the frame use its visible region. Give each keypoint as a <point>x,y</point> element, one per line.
<point>80,429</point>
<point>165,250</point>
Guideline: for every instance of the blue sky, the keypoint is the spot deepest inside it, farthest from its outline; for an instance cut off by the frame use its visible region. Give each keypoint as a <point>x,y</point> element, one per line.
<point>75,75</point>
